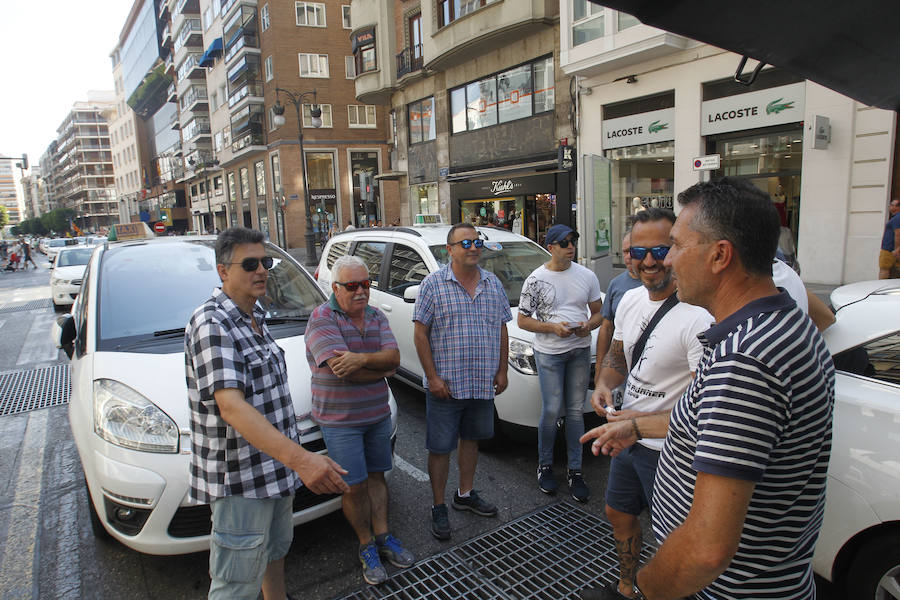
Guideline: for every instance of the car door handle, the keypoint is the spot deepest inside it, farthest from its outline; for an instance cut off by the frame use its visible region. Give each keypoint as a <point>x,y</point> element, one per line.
<point>386,307</point>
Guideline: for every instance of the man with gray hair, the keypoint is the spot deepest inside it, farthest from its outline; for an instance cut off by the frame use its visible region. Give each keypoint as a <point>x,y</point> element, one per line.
<point>350,349</point>
<point>246,459</point>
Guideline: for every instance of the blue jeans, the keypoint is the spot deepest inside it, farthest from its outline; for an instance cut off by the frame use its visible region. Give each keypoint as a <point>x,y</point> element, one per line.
<point>564,378</point>
<point>360,450</point>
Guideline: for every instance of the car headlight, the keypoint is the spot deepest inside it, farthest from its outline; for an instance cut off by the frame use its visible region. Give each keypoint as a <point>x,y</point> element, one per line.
<point>521,356</point>
<point>125,418</point>
<point>55,281</point>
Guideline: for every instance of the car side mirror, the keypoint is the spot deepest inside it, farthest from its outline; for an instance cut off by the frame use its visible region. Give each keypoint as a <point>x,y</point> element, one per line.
<point>410,294</point>
<point>64,333</point>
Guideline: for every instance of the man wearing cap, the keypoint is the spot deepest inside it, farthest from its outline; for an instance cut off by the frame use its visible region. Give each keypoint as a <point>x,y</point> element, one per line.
<point>560,303</point>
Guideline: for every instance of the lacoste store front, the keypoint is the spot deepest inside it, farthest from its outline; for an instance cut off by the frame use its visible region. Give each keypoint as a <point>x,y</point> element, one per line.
<point>640,146</point>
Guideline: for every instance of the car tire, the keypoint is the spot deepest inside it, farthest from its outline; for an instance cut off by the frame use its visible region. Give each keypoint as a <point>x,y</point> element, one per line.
<point>875,570</point>
<point>97,527</point>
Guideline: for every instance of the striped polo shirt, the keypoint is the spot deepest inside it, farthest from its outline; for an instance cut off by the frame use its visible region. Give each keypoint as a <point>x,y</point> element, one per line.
<point>760,410</point>
<point>337,402</point>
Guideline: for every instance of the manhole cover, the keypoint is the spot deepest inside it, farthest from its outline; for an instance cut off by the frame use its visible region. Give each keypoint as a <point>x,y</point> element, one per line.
<point>21,391</point>
<point>548,554</point>
<point>29,305</point>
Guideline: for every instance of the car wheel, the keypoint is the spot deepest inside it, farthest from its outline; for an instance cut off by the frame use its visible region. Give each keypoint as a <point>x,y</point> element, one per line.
<point>875,571</point>
<point>97,527</point>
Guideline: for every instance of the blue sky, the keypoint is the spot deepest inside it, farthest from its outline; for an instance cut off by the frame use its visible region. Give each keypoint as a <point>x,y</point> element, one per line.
<point>53,52</point>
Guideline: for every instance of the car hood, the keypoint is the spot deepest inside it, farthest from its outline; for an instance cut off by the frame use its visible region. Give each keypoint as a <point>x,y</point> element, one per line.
<point>73,272</point>
<point>865,311</point>
<point>160,378</point>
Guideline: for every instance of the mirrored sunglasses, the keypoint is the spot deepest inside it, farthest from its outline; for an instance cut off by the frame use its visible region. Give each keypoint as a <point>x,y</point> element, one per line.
<point>657,252</point>
<point>352,286</point>
<point>466,244</point>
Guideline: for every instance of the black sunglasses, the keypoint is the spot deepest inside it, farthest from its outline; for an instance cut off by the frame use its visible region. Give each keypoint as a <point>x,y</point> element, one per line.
<point>565,243</point>
<point>352,286</point>
<point>251,263</point>
<point>640,252</point>
<point>466,244</point>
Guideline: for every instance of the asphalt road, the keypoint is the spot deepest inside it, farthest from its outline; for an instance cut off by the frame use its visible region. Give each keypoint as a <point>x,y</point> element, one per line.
<point>48,550</point>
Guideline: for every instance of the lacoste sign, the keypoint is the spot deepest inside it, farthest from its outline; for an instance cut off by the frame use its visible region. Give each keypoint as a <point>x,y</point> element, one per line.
<point>764,108</point>
<point>643,128</point>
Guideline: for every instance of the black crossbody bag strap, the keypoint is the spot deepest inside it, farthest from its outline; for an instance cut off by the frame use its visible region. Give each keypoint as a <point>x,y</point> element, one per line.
<point>638,349</point>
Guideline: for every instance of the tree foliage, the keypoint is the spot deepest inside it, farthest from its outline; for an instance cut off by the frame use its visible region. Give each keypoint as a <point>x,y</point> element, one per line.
<point>33,226</point>
<point>57,219</point>
<point>4,216</point>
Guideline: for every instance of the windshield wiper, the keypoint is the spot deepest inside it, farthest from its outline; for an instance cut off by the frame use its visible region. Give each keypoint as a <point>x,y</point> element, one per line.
<point>166,333</point>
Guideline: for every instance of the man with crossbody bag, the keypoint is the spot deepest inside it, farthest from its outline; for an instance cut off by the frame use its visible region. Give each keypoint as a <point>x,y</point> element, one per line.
<point>655,351</point>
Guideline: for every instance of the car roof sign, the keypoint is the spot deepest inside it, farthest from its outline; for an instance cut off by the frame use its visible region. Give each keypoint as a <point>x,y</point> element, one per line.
<point>129,231</point>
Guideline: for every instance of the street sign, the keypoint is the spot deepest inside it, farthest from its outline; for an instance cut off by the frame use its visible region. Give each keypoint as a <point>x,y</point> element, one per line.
<point>708,162</point>
<point>159,227</point>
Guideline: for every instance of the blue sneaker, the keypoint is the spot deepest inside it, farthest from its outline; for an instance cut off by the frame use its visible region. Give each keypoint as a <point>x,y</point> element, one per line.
<point>373,570</point>
<point>391,549</point>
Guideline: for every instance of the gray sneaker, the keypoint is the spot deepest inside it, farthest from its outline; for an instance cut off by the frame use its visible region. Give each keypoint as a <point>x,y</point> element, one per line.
<point>474,503</point>
<point>391,549</point>
<point>440,522</point>
<point>373,570</point>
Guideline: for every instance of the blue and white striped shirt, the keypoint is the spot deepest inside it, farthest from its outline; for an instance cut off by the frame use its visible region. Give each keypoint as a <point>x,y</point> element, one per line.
<point>760,410</point>
<point>465,330</point>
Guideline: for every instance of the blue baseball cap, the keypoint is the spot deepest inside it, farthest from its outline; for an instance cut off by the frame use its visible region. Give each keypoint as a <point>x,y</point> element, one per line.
<point>558,233</point>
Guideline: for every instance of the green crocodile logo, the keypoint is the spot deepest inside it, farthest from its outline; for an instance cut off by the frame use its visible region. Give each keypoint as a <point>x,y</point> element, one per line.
<point>657,126</point>
<point>776,106</point>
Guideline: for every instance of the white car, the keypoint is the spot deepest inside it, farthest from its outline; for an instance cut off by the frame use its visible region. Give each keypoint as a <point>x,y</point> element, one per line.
<point>859,544</point>
<point>399,258</point>
<point>129,410</point>
<point>56,244</point>
<point>67,273</point>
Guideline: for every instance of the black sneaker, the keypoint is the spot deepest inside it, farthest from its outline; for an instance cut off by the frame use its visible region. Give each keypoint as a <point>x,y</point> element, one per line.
<point>440,522</point>
<point>475,503</point>
<point>599,592</point>
<point>546,479</point>
<point>577,486</point>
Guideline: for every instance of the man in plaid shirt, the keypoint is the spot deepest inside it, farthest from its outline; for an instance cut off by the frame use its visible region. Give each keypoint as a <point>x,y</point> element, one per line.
<point>460,335</point>
<point>246,460</point>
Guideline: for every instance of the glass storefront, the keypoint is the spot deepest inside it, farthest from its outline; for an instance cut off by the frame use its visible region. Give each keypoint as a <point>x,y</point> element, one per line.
<point>643,176</point>
<point>772,161</point>
<point>366,212</point>
<point>423,200</point>
<point>530,215</point>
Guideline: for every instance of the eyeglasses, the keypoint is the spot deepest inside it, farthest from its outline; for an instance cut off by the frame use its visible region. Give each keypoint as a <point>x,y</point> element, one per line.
<point>251,263</point>
<point>352,286</point>
<point>658,252</point>
<point>565,243</point>
<point>466,244</point>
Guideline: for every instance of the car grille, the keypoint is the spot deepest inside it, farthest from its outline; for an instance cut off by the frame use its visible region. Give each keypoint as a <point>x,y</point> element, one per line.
<point>194,521</point>
<point>76,282</point>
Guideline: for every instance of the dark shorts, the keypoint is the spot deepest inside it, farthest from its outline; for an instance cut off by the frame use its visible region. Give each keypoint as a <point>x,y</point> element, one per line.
<point>452,419</point>
<point>360,450</point>
<point>631,475</point>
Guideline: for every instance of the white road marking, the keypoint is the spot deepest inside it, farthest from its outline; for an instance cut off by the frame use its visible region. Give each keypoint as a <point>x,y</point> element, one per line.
<point>38,346</point>
<point>409,469</point>
<point>17,568</point>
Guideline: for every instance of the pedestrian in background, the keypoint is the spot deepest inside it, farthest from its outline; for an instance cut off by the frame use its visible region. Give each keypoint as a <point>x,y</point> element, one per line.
<point>246,459</point>
<point>740,489</point>
<point>621,283</point>
<point>560,302</point>
<point>25,249</point>
<point>351,349</point>
<point>889,255</point>
<point>460,336</point>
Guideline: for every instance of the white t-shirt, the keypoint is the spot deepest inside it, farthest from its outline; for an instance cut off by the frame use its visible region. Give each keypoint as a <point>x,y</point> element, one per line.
<point>555,296</point>
<point>670,356</point>
<point>785,277</point>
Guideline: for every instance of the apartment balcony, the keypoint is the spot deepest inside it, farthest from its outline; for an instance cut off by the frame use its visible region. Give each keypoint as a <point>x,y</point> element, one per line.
<point>167,34</point>
<point>171,94</point>
<point>163,10</point>
<point>170,65</point>
<point>244,39</point>
<point>410,60</point>
<point>228,5</point>
<point>190,35</point>
<point>195,129</point>
<point>187,7</point>
<point>252,91</point>
<point>194,99</point>
<point>374,44</point>
<point>190,68</point>
<point>493,25</point>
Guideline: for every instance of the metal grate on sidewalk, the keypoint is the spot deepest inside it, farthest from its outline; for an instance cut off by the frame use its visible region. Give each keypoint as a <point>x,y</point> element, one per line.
<point>29,305</point>
<point>22,391</point>
<point>548,554</point>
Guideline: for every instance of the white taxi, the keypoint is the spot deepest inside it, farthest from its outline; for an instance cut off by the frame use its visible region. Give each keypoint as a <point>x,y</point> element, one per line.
<point>67,273</point>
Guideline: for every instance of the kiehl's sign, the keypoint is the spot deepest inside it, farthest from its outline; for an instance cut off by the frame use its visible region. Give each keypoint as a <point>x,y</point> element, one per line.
<point>642,128</point>
<point>774,106</point>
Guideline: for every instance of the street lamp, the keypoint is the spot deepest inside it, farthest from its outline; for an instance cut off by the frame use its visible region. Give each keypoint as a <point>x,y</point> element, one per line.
<point>316,118</point>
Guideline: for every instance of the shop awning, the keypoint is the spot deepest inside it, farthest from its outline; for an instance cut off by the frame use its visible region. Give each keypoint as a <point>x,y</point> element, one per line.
<point>849,47</point>
<point>212,52</point>
<point>390,175</point>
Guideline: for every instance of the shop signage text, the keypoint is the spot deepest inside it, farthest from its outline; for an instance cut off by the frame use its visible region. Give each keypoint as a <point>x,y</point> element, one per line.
<point>774,106</point>
<point>322,195</point>
<point>500,187</point>
<point>643,128</point>
<point>566,157</point>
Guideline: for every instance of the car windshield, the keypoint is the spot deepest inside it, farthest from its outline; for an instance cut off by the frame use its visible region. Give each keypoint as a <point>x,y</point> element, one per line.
<point>71,258</point>
<point>60,242</point>
<point>149,291</point>
<point>512,262</point>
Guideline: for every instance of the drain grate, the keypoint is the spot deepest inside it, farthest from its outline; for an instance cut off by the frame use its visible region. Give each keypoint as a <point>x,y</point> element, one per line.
<point>22,391</point>
<point>548,554</point>
<point>29,305</point>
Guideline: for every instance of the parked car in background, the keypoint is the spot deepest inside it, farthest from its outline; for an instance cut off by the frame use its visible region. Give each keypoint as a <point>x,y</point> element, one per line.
<point>399,258</point>
<point>56,244</point>
<point>859,544</point>
<point>67,273</point>
<point>128,408</point>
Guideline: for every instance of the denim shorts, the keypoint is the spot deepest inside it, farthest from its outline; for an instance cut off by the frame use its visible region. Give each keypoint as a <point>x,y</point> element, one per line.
<point>631,474</point>
<point>360,450</point>
<point>247,534</point>
<point>449,420</point>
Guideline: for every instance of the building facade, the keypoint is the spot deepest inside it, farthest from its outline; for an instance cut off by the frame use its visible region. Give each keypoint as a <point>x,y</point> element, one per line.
<point>33,197</point>
<point>651,104</point>
<point>9,195</point>
<point>479,107</point>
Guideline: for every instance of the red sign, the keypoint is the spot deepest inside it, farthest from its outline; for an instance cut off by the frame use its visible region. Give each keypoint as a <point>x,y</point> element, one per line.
<point>159,227</point>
